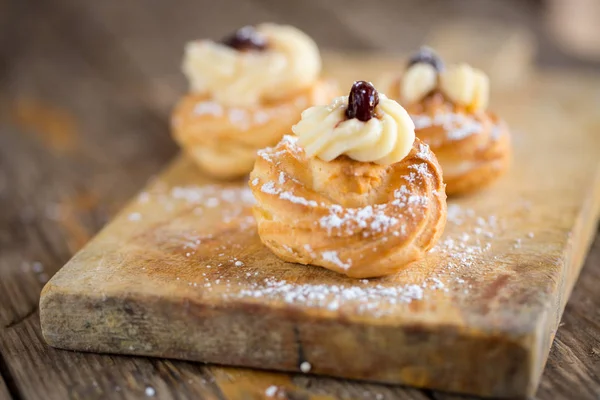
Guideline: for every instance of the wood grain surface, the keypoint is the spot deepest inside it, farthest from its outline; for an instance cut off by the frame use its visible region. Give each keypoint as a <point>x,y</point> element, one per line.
<point>87,88</point>
<point>181,273</point>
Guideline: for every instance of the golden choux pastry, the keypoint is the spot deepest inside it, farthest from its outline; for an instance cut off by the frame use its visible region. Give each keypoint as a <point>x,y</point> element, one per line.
<point>353,191</point>
<point>245,93</point>
<point>449,109</point>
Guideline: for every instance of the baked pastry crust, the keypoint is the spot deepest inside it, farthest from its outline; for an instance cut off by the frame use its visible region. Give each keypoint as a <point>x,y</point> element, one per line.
<point>473,148</point>
<point>360,219</point>
<point>223,140</point>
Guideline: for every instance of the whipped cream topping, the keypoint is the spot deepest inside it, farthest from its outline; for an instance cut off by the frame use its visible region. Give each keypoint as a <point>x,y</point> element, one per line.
<point>290,63</point>
<point>419,80</point>
<point>467,86</point>
<point>461,83</point>
<point>326,133</point>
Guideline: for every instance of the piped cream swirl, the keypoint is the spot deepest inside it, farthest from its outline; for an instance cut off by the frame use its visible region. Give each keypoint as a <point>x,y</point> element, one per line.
<point>467,86</point>
<point>290,63</point>
<point>326,133</point>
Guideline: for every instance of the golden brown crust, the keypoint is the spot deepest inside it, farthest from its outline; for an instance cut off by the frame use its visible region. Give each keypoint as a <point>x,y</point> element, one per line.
<point>472,148</point>
<point>359,219</point>
<point>223,140</point>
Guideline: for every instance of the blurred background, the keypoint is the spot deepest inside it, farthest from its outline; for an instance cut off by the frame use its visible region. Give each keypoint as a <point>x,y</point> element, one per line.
<point>138,45</point>
<point>146,37</point>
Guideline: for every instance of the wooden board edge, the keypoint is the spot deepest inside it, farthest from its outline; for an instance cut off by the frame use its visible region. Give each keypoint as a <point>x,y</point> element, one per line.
<point>4,392</point>
<point>533,346</point>
<point>388,354</point>
<point>580,242</point>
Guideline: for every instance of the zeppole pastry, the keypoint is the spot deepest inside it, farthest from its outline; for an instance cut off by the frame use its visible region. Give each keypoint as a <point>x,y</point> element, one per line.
<point>353,191</point>
<point>245,93</point>
<point>449,109</point>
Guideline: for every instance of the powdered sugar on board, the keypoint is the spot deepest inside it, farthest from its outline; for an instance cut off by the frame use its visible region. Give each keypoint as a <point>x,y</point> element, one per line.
<point>227,204</point>
<point>227,268</point>
<point>361,296</point>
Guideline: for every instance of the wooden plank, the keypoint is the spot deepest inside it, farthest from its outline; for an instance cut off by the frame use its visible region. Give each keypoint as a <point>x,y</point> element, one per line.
<point>56,58</point>
<point>103,374</point>
<point>50,122</point>
<point>183,262</point>
<point>62,374</point>
<point>4,394</point>
<point>236,383</point>
<point>59,166</point>
<point>574,360</point>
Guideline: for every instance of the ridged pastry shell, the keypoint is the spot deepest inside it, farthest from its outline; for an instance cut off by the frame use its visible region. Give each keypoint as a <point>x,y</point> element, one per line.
<point>223,140</point>
<point>359,219</point>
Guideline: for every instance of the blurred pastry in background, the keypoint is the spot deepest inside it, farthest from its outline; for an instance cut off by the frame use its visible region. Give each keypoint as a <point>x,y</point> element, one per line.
<point>449,110</point>
<point>245,94</point>
<point>353,191</point>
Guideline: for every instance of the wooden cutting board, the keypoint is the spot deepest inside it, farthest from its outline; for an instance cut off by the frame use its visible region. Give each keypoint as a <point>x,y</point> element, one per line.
<point>181,273</point>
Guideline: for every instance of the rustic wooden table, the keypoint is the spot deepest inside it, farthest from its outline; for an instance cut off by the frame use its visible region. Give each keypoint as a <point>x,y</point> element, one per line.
<point>86,91</point>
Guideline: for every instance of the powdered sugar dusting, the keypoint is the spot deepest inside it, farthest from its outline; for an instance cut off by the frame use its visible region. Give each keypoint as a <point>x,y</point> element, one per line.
<point>270,188</point>
<point>261,117</point>
<point>363,298</point>
<point>422,169</point>
<point>379,218</point>
<point>134,216</point>
<point>239,116</point>
<point>268,154</point>
<point>296,199</point>
<point>208,108</point>
<point>291,141</point>
<point>453,266</point>
<point>332,256</point>
<point>371,219</point>
<point>230,203</point>
<point>424,152</point>
<point>271,390</point>
<point>210,196</point>
<point>305,367</point>
<point>457,258</point>
<point>457,126</point>
<point>496,132</point>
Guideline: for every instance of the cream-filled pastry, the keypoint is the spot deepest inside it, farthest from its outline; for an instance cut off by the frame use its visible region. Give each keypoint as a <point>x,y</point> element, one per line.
<point>245,93</point>
<point>352,191</point>
<point>449,108</point>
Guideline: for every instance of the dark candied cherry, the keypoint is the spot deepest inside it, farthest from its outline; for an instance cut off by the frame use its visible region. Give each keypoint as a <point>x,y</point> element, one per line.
<point>246,39</point>
<point>362,101</point>
<point>428,56</point>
